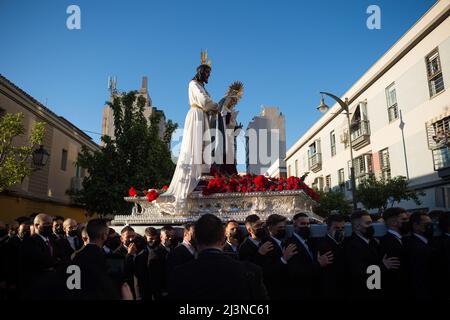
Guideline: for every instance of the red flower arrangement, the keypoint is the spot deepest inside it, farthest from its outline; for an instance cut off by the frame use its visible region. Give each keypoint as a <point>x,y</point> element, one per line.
<point>151,194</point>
<point>251,183</point>
<point>132,192</point>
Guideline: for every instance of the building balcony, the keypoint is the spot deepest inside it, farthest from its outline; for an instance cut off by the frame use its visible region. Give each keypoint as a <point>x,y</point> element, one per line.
<point>360,134</point>
<point>315,162</point>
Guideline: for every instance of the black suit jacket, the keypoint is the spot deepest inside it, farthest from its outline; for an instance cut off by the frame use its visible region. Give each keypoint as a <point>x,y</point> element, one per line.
<point>96,284</point>
<point>227,249</point>
<point>12,249</point>
<point>128,266</point>
<point>302,272</point>
<point>274,271</point>
<point>63,249</point>
<point>35,260</point>
<point>442,245</point>
<point>150,273</point>
<point>358,257</point>
<point>423,269</point>
<point>216,276</point>
<point>331,278</point>
<point>248,251</point>
<point>394,282</point>
<point>178,256</point>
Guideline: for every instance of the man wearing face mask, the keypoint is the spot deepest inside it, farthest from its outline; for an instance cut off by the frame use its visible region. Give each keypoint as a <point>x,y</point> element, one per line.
<point>422,258</point>
<point>331,282</point>
<point>147,269</point>
<point>37,256</point>
<point>127,250</point>
<point>361,251</point>
<point>71,241</point>
<point>12,249</point>
<point>304,264</point>
<point>274,262</point>
<point>233,238</point>
<point>184,252</point>
<point>392,248</point>
<point>257,233</point>
<point>58,228</point>
<point>168,241</point>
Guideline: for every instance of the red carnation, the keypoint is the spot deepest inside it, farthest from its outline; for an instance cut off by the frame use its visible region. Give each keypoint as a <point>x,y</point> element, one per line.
<point>165,188</point>
<point>280,187</point>
<point>152,195</point>
<point>132,192</point>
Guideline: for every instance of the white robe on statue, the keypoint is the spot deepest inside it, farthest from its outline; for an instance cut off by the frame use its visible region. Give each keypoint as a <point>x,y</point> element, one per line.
<point>191,162</point>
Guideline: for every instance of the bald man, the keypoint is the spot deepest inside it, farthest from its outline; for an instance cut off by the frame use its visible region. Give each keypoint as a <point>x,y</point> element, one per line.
<point>37,257</point>
<point>70,242</point>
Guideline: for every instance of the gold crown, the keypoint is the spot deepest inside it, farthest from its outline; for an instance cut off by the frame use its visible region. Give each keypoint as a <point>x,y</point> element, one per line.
<point>236,89</point>
<point>204,57</point>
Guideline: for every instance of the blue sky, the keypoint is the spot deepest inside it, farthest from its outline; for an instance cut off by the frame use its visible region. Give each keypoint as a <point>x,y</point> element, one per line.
<point>284,52</point>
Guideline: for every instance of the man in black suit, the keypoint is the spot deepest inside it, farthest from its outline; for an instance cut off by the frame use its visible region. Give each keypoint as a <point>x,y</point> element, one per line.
<point>70,242</point>
<point>3,258</point>
<point>392,245</point>
<point>12,250</point>
<point>274,261</point>
<point>37,255</point>
<point>147,268</point>
<point>248,250</point>
<point>442,244</point>
<point>167,242</point>
<point>184,252</point>
<point>233,238</point>
<point>57,227</point>
<point>96,284</point>
<point>127,250</point>
<point>331,277</point>
<point>422,260</point>
<point>361,251</point>
<point>303,266</point>
<point>214,275</point>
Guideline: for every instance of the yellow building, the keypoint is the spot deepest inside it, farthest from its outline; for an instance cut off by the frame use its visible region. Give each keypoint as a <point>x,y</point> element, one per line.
<point>45,190</point>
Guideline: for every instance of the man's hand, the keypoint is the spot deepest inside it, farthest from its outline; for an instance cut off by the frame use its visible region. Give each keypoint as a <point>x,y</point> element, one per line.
<point>265,248</point>
<point>391,263</point>
<point>290,251</point>
<point>132,249</point>
<point>325,259</point>
<point>126,292</point>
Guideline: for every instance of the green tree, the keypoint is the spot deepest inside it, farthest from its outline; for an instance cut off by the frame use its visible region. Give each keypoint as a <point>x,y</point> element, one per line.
<point>379,194</point>
<point>15,158</point>
<point>136,157</point>
<point>330,201</point>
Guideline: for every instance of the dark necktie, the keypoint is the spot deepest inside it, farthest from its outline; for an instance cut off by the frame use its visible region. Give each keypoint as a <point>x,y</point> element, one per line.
<point>50,247</point>
<point>309,251</point>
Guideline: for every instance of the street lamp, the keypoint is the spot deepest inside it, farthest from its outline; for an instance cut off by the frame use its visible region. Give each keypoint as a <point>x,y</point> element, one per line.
<point>323,107</point>
<point>40,157</point>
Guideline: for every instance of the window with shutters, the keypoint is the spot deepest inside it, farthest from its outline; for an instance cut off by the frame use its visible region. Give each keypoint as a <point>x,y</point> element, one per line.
<point>362,166</point>
<point>391,97</point>
<point>385,164</point>
<point>434,73</point>
<point>333,143</point>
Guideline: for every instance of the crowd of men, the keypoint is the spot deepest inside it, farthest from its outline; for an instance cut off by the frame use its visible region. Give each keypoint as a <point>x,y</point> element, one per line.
<point>213,260</point>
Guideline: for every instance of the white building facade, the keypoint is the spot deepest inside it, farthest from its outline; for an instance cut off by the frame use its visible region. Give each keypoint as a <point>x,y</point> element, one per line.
<point>410,81</point>
<point>266,142</point>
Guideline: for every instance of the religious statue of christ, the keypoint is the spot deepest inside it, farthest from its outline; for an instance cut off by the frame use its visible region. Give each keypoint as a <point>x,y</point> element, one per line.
<point>194,159</point>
